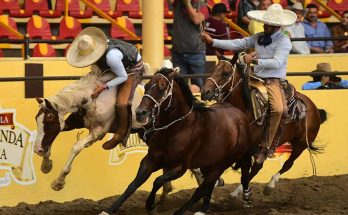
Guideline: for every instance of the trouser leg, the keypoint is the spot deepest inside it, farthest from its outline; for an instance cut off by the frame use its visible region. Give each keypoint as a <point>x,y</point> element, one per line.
<point>124,100</point>
<point>277,120</point>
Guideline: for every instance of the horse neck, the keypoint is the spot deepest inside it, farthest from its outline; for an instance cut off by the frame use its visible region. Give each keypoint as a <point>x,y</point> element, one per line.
<point>178,108</point>
<point>70,98</point>
<point>237,98</point>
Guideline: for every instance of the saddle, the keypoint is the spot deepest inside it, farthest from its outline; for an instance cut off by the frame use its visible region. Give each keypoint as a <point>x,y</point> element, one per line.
<point>261,107</point>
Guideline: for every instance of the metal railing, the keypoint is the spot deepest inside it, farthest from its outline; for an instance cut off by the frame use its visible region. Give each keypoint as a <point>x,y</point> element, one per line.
<point>27,41</point>
<point>64,78</point>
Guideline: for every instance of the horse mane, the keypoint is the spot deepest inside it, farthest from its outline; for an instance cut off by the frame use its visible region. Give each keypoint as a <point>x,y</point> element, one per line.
<point>245,84</point>
<point>72,95</point>
<point>189,97</point>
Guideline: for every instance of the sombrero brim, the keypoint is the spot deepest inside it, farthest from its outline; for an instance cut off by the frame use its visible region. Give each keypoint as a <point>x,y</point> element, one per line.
<point>73,55</point>
<point>288,18</point>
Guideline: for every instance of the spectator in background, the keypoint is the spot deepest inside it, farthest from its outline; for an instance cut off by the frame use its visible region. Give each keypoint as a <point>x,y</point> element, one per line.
<point>297,30</point>
<point>243,8</point>
<point>254,26</point>
<point>325,81</point>
<point>216,26</point>
<point>315,28</point>
<point>341,30</point>
<point>188,52</point>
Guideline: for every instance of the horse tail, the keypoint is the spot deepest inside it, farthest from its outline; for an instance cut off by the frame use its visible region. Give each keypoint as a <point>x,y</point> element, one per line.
<point>315,148</point>
<point>323,115</point>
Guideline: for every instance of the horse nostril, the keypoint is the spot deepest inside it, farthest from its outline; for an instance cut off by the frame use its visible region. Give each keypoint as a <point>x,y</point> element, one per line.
<point>40,151</point>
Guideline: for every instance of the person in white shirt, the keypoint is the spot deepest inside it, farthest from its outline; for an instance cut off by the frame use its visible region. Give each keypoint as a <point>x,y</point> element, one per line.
<point>270,61</point>
<point>93,47</point>
<point>297,31</point>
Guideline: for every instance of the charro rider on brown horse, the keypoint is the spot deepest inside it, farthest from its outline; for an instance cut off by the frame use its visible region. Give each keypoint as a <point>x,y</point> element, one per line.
<point>93,47</point>
<point>272,48</point>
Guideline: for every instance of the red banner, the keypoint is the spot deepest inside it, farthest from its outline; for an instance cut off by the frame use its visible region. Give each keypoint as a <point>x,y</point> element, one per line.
<point>6,119</point>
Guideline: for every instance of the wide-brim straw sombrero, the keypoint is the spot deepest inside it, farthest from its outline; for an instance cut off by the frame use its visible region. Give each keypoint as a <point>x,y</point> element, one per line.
<point>87,47</point>
<point>275,15</point>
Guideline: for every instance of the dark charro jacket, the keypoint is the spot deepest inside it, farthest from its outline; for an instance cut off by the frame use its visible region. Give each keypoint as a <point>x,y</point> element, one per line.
<point>129,51</point>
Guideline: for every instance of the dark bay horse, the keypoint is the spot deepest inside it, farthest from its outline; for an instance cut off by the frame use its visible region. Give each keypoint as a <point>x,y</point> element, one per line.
<point>229,83</point>
<point>184,134</point>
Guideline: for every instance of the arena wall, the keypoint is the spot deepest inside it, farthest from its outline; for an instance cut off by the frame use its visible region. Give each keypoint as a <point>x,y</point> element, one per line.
<point>97,173</point>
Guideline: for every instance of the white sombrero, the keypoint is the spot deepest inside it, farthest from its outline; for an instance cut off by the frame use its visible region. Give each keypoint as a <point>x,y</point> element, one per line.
<point>275,15</point>
<point>87,47</point>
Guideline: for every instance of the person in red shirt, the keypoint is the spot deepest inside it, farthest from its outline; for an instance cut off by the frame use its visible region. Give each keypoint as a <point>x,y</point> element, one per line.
<point>216,27</point>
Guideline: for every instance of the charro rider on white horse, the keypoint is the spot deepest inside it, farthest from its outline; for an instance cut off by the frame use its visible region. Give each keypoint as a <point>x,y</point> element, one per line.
<point>93,47</point>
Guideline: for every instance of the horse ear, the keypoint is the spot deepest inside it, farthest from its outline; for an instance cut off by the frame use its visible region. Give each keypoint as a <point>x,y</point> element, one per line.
<point>48,105</point>
<point>218,55</point>
<point>174,73</point>
<point>235,58</point>
<point>177,70</point>
<point>39,100</point>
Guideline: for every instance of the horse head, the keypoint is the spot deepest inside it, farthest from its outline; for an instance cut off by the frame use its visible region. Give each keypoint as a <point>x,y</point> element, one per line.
<point>49,124</point>
<point>222,81</point>
<point>158,94</point>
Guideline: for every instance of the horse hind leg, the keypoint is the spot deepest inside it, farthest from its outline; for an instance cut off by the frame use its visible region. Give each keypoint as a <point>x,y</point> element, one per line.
<point>296,151</point>
<point>160,181</point>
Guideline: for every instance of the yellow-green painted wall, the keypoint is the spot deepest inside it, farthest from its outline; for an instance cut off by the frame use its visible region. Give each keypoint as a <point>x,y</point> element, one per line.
<point>94,177</point>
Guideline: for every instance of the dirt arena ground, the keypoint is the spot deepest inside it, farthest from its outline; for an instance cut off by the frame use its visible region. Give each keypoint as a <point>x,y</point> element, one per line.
<point>312,195</point>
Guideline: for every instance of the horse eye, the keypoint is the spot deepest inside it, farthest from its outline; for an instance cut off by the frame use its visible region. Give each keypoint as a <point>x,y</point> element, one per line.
<point>225,74</point>
<point>50,116</point>
<point>161,87</point>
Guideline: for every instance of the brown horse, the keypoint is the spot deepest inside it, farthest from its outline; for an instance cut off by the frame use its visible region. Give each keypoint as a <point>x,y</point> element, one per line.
<point>229,83</point>
<point>184,134</point>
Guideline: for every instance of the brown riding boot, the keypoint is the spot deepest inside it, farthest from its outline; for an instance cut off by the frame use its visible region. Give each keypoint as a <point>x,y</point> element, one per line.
<point>124,119</point>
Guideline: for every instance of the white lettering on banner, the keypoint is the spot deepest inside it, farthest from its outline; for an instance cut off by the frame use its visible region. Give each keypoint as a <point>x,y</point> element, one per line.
<point>3,119</point>
<point>16,150</point>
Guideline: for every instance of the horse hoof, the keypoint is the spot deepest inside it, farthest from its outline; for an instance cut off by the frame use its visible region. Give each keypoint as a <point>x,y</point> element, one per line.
<point>267,191</point>
<point>178,213</point>
<point>152,212</point>
<point>104,213</point>
<point>220,182</point>
<point>247,205</point>
<point>199,213</point>
<point>151,207</point>
<point>46,167</point>
<point>163,198</point>
<point>57,186</point>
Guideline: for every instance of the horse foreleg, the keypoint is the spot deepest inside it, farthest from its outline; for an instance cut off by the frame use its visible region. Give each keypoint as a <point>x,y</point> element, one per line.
<point>295,153</point>
<point>59,183</point>
<point>46,164</point>
<point>245,180</point>
<point>204,190</point>
<point>147,167</point>
<point>169,175</point>
<point>254,170</point>
<point>167,188</point>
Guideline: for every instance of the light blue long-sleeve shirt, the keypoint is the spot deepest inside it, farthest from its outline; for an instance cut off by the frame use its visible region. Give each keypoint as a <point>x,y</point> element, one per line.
<point>114,61</point>
<point>316,85</point>
<point>320,31</point>
<point>272,59</point>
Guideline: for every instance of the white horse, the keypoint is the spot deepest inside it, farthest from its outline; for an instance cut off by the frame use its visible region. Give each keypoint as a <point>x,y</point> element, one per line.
<point>95,115</point>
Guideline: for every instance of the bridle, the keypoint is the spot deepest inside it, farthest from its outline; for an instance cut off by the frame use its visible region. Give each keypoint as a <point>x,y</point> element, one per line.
<point>168,94</point>
<point>221,86</point>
